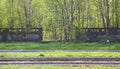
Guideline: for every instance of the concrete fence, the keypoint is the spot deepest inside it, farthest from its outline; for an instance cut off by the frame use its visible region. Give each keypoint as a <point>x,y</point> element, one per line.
<point>20,34</point>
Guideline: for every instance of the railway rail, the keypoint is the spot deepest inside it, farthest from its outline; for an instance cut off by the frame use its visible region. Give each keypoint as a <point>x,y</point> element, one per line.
<point>67,61</point>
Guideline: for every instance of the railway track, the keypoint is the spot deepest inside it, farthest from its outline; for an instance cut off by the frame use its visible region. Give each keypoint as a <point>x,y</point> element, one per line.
<point>60,61</point>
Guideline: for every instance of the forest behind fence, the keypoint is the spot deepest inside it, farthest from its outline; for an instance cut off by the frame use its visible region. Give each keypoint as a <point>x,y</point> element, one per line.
<point>60,18</point>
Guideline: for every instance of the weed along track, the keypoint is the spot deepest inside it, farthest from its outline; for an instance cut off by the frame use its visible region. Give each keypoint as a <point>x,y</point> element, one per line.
<point>60,61</point>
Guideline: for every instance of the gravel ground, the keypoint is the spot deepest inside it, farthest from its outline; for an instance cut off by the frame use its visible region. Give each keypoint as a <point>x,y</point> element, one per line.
<point>60,61</point>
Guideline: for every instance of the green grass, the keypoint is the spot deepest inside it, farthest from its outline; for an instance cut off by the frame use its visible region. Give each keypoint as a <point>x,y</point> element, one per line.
<point>60,46</point>
<point>61,54</point>
<point>55,67</point>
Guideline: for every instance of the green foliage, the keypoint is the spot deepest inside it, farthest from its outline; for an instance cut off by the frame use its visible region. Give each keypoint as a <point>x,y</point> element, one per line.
<point>58,18</point>
<point>41,55</point>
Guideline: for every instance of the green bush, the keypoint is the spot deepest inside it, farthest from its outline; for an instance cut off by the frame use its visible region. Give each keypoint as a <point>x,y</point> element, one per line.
<point>41,55</point>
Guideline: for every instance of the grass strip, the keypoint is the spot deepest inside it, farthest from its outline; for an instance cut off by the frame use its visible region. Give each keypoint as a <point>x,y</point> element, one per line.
<point>57,67</point>
<point>61,54</point>
<point>59,46</point>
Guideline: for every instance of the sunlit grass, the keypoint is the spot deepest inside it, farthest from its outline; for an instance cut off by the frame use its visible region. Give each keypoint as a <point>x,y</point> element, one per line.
<point>60,46</point>
<point>57,67</point>
<point>61,54</point>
